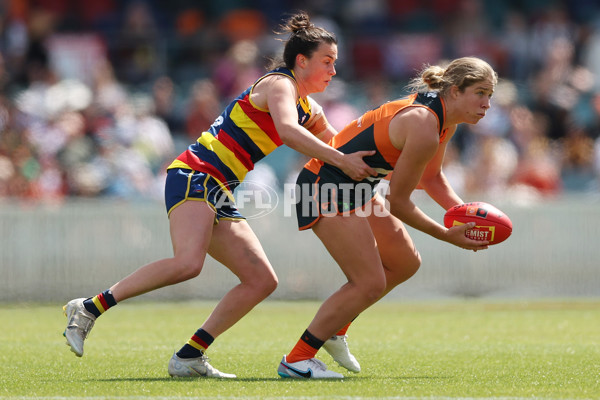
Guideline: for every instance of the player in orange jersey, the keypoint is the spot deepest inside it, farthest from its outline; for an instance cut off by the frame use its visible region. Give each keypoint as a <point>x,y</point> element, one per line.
<point>275,110</point>
<point>367,239</point>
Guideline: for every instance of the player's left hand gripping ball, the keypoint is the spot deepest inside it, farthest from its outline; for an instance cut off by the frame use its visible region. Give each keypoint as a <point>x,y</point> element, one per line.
<point>491,224</point>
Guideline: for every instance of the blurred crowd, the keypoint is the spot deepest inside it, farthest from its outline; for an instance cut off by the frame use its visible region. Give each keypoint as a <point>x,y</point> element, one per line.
<point>96,98</point>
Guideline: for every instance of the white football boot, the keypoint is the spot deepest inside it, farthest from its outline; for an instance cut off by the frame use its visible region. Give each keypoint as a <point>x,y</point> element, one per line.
<point>195,367</point>
<point>81,322</point>
<point>337,347</point>
<point>307,369</point>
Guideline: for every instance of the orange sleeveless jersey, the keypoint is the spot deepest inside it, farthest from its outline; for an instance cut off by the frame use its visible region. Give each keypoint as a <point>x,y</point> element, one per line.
<point>370,132</point>
<point>324,189</point>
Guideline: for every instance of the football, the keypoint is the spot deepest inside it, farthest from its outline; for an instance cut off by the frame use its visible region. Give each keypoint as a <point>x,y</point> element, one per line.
<point>491,224</point>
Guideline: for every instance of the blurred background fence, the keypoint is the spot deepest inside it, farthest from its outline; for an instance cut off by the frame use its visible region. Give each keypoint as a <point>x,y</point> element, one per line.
<point>58,253</point>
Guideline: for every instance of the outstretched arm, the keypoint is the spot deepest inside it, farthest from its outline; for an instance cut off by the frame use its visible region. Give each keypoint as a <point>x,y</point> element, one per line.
<point>419,147</point>
<point>433,180</point>
<point>281,101</point>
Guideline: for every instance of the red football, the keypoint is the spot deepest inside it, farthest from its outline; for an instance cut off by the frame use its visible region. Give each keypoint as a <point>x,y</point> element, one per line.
<point>491,224</point>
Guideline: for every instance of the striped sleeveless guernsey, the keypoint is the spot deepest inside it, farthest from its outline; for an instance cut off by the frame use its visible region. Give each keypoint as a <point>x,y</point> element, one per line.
<point>241,136</point>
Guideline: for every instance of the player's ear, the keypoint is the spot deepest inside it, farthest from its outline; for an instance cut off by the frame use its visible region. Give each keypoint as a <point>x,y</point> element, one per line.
<point>454,91</point>
<point>300,60</point>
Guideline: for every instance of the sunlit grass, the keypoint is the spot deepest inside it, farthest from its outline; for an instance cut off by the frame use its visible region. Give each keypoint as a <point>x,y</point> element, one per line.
<point>453,349</point>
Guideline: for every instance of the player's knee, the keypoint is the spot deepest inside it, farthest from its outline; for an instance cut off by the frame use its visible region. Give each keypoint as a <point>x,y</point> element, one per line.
<point>404,270</point>
<point>414,264</point>
<point>374,294</point>
<point>188,268</point>
<point>373,288</point>
<point>269,284</point>
<point>263,284</point>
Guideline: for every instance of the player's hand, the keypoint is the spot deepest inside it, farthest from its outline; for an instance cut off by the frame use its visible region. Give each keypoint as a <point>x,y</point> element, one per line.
<point>355,167</point>
<point>456,236</point>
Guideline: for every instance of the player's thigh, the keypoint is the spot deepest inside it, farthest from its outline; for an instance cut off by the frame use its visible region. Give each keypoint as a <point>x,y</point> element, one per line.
<point>235,245</point>
<point>191,225</point>
<point>396,248</point>
<point>351,243</point>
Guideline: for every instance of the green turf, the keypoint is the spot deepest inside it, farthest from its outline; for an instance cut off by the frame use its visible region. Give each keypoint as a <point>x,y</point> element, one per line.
<point>445,349</point>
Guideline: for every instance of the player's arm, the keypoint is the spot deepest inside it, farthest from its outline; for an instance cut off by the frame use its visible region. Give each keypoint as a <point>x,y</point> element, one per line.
<point>417,133</point>
<point>433,180</point>
<point>281,102</point>
<point>327,134</point>
<point>318,124</point>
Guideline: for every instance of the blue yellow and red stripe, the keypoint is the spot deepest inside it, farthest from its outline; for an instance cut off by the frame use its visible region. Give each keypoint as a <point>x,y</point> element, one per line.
<point>240,137</point>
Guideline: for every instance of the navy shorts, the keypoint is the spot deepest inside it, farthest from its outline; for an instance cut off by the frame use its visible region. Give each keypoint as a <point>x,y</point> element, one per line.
<point>184,184</point>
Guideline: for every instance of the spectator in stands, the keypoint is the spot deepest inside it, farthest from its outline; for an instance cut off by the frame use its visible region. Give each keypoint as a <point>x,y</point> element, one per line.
<point>137,51</point>
<point>548,50</point>
<point>202,108</point>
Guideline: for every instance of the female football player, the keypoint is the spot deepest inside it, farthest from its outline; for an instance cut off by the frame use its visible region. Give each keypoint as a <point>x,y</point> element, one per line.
<point>367,239</point>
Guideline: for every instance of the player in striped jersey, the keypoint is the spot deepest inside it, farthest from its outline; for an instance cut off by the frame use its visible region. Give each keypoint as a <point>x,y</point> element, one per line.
<point>275,110</point>
<point>367,239</point>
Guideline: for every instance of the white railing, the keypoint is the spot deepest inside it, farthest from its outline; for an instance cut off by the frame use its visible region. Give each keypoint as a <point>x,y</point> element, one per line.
<point>54,253</point>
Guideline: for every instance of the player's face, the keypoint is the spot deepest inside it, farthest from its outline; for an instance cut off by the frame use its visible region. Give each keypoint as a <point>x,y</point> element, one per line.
<point>320,68</point>
<point>476,100</point>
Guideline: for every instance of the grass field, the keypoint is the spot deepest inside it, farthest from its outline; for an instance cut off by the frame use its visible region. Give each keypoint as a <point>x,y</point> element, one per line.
<point>443,349</point>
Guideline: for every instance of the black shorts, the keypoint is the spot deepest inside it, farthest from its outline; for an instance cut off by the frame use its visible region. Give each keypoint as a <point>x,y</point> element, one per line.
<point>328,193</point>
